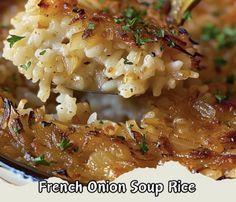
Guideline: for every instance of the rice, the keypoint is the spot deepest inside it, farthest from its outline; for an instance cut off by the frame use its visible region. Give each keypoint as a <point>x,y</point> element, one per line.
<point>55,54</point>
<point>185,125</point>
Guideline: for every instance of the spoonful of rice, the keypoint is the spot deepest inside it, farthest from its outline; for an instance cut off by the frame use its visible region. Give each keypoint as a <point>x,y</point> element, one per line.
<point>120,47</point>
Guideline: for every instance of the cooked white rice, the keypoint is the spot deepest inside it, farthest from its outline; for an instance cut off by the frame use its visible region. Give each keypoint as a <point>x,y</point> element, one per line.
<point>55,53</point>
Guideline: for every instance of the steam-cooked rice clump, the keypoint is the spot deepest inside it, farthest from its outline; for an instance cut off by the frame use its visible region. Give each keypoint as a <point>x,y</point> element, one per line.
<point>114,46</point>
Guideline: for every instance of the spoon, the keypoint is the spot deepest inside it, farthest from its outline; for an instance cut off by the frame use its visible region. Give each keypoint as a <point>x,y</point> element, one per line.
<point>178,10</point>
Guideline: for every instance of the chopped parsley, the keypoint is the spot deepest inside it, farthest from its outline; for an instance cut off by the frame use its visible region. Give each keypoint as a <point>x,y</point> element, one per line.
<point>174,32</point>
<point>143,145</point>
<point>127,62</point>
<point>219,62</point>
<point>41,161</point>
<point>131,13</point>
<point>187,15</point>
<point>106,10</point>
<point>42,52</point>
<point>159,4</point>
<point>227,38</point>
<point>118,20</point>
<point>162,48</point>
<point>126,28</point>
<point>16,130</point>
<point>13,39</point>
<point>220,97</point>
<point>209,32</point>
<point>160,33</point>
<point>91,26</point>
<point>64,144</point>
<point>130,17</point>
<point>223,38</point>
<point>141,41</point>
<point>131,126</point>
<point>133,20</point>
<point>26,66</point>
<point>171,44</point>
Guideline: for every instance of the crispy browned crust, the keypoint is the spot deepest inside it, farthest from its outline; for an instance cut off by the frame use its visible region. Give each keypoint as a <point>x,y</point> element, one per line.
<point>208,145</point>
<point>29,136</point>
<point>106,27</point>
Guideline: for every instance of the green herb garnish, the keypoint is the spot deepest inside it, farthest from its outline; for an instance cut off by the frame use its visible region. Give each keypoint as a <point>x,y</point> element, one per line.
<point>16,130</point>
<point>26,66</point>
<point>131,17</point>
<point>223,38</point>
<point>159,4</point>
<point>118,20</point>
<point>64,144</point>
<point>126,28</point>
<point>91,26</point>
<point>131,12</point>
<point>131,126</point>
<point>171,44</point>
<point>227,38</point>
<point>160,33</point>
<point>42,52</point>
<point>127,62</point>
<point>162,48</point>
<point>220,97</point>
<point>13,39</point>
<point>106,10</point>
<point>141,41</point>
<point>187,15</point>
<point>174,32</point>
<point>143,145</point>
<point>41,161</point>
<point>219,62</point>
<point>133,20</point>
<point>209,32</point>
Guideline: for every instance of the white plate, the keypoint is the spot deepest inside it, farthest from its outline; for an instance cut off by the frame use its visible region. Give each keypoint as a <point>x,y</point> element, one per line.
<point>13,176</point>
